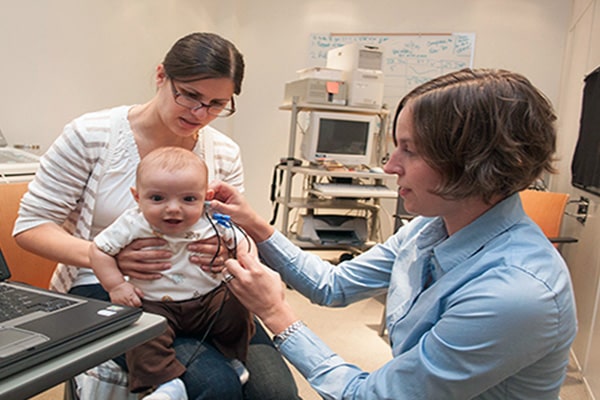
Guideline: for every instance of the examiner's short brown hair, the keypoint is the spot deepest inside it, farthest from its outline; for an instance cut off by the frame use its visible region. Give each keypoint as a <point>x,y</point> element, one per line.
<point>487,132</point>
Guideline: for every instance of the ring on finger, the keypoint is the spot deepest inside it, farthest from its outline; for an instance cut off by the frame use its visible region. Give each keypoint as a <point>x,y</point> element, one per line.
<point>228,277</point>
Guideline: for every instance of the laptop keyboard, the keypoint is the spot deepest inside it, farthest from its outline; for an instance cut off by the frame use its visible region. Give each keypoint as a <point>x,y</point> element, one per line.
<point>16,303</point>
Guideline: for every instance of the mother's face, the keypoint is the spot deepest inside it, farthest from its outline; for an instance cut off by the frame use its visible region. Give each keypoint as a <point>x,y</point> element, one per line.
<point>186,107</point>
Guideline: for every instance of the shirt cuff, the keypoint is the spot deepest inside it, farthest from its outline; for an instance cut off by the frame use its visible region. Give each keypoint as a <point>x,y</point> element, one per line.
<point>289,331</point>
<point>305,350</point>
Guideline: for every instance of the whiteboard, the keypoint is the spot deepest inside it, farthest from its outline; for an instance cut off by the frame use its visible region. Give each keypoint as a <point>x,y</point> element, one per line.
<point>409,59</point>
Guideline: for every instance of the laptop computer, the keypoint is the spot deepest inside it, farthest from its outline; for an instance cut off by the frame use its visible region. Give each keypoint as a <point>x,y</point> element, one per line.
<point>43,324</point>
<point>16,165</point>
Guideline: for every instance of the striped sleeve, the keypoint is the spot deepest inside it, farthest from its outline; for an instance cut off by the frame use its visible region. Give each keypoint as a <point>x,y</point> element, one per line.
<point>66,169</point>
<point>228,161</point>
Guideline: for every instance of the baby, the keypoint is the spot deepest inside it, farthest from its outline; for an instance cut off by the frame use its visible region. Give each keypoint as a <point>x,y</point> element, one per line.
<point>170,190</point>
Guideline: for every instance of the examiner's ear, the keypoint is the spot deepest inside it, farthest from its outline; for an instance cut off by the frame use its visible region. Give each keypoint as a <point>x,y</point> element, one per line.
<point>210,194</point>
<point>395,122</point>
<point>135,194</point>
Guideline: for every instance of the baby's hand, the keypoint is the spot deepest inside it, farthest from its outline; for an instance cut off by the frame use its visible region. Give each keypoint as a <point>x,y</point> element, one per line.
<point>126,294</point>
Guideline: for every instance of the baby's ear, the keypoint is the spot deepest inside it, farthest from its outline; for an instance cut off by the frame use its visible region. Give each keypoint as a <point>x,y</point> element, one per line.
<point>135,194</point>
<point>210,194</point>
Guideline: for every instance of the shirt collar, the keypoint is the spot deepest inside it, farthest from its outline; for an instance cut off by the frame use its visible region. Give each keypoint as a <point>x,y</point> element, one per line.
<point>467,241</point>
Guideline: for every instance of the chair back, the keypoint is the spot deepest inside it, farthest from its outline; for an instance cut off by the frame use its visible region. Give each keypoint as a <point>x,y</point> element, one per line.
<point>546,209</point>
<point>24,266</point>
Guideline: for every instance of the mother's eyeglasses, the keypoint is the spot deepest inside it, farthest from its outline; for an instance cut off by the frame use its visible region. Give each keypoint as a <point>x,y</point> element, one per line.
<point>215,109</point>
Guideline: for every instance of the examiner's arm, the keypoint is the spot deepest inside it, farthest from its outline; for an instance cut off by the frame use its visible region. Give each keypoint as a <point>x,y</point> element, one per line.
<point>475,344</point>
<point>260,289</point>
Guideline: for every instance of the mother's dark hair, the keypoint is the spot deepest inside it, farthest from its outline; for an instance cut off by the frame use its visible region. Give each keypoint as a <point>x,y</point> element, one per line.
<point>203,55</point>
<point>487,132</point>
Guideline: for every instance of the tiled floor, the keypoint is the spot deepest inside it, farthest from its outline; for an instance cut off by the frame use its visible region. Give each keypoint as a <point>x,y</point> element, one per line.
<point>343,328</point>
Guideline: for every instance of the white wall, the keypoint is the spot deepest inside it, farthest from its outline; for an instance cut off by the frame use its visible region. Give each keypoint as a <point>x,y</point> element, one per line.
<point>582,57</point>
<point>62,58</point>
<point>523,35</point>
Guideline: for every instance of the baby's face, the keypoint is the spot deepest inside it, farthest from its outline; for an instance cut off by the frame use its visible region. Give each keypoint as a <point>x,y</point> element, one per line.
<point>172,202</point>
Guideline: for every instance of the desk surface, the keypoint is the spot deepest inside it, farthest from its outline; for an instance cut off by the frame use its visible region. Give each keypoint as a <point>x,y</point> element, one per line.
<point>340,173</point>
<point>53,372</point>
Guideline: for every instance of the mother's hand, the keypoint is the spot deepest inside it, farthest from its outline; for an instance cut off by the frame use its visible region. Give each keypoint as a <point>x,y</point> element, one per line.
<point>260,290</point>
<point>144,259</point>
<point>209,254</point>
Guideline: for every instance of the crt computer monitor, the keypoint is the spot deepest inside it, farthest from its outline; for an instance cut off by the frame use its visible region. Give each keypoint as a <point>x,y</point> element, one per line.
<point>339,136</point>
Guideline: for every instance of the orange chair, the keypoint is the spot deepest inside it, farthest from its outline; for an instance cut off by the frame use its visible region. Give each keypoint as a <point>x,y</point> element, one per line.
<point>24,266</point>
<point>547,209</point>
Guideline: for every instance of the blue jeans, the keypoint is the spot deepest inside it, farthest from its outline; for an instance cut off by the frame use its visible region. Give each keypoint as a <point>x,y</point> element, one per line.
<point>209,375</point>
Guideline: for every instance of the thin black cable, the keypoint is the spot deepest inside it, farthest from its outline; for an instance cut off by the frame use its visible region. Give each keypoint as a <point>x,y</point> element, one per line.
<point>234,250</point>
<point>276,191</point>
<point>212,224</point>
<point>217,314</point>
<point>232,226</point>
<point>236,226</point>
<point>208,329</point>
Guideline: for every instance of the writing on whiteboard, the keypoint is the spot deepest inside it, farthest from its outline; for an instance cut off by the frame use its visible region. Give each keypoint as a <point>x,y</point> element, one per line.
<point>409,60</point>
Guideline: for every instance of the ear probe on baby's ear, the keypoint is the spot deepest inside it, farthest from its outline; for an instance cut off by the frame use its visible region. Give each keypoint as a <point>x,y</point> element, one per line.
<point>222,219</point>
<point>225,227</point>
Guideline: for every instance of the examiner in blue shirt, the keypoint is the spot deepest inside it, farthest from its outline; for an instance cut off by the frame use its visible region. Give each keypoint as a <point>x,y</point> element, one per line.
<point>479,302</point>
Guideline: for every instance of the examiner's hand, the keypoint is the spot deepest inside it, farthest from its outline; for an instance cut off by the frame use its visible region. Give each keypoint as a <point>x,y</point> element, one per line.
<point>144,259</point>
<point>260,290</point>
<point>228,200</point>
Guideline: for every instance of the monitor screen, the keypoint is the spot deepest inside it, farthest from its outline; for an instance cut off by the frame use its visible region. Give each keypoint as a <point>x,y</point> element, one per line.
<point>337,236</point>
<point>339,136</point>
<point>342,137</point>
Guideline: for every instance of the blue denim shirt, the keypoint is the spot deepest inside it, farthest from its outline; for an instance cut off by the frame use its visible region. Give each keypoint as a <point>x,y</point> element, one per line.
<point>496,323</point>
